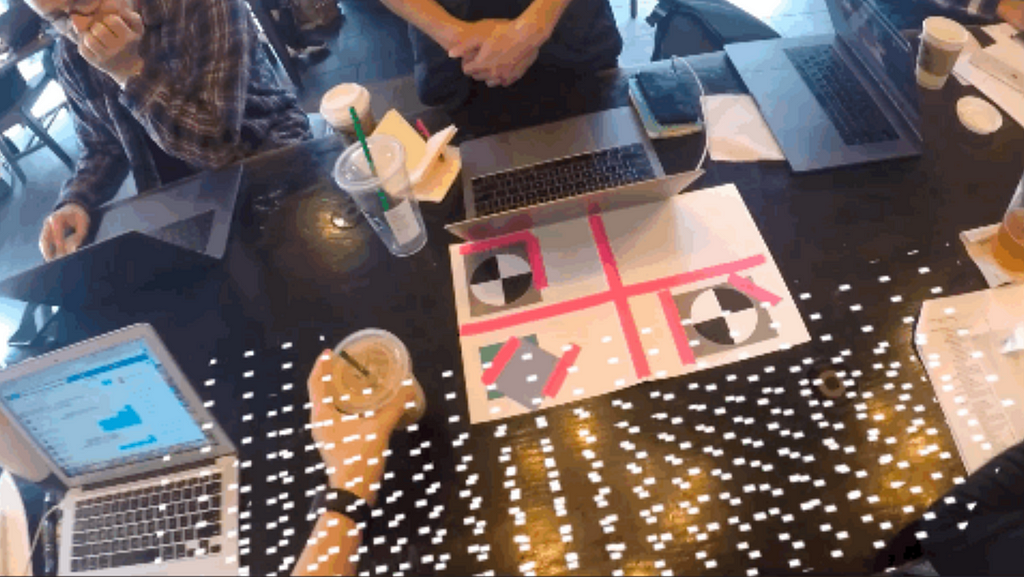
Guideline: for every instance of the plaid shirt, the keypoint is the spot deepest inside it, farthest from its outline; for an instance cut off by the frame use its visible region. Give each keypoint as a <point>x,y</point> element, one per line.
<point>206,95</point>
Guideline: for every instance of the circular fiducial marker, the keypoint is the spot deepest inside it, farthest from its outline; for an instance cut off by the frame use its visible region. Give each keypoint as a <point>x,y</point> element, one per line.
<point>830,385</point>
<point>978,116</point>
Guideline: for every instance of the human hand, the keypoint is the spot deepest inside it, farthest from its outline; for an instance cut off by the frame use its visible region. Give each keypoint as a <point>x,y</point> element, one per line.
<point>500,51</point>
<point>112,45</point>
<point>1012,11</point>
<point>353,447</point>
<point>53,240</point>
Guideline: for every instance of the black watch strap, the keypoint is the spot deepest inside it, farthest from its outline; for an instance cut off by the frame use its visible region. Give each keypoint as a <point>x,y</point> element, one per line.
<point>342,502</point>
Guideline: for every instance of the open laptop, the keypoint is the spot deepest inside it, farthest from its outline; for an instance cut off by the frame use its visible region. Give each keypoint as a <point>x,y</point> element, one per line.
<point>177,227</point>
<point>546,174</point>
<point>151,477</point>
<point>840,99</point>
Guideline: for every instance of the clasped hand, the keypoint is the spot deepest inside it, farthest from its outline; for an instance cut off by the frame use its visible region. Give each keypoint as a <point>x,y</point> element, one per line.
<point>498,52</point>
<point>112,45</point>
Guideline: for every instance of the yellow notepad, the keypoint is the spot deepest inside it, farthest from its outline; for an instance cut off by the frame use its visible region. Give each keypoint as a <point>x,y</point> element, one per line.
<point>439,174</point>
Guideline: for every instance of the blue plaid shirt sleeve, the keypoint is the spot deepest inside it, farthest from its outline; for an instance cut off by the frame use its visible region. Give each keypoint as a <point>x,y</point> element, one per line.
<point>103,165</point>
<point>201,122</point>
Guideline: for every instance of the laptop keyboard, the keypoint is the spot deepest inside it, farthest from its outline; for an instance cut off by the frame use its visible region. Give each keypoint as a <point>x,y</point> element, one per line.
<point>847,104</point>
<point>561,178</point>
<point>164,522</point>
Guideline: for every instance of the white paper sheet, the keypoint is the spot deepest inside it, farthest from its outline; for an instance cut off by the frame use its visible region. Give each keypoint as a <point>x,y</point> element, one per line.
<point>1010,100</point>
<point>669,257</point>
<point>979,243</point>
<point>737,131</point>
<point>980,388</point>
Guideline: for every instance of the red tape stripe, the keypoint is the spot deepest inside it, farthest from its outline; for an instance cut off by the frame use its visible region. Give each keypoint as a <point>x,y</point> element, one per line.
<point>753,291</point>
<point>611,272</point>
<point>540,276</point>
<point>502,359</point>
<point>678,334</point>
<point>557,378</point>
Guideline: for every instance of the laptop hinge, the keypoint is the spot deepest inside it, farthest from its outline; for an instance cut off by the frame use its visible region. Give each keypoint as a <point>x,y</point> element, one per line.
<point>887,90</point>
<point>143,476</point>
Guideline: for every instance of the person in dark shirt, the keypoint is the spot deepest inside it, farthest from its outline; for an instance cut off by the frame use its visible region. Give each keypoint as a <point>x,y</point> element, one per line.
<point>495,42</point>
<point>165,88</point>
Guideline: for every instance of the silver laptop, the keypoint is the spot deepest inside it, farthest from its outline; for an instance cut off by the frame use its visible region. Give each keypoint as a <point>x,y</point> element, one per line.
<point>551,173</point>
<point>840,99</point>
<point>151,477</point>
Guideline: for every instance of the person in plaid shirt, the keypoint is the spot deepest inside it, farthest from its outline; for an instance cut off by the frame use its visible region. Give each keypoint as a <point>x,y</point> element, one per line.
<point>164,88</point>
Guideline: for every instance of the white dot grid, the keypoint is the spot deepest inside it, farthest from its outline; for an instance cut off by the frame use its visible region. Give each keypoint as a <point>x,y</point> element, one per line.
<point>731,460</point>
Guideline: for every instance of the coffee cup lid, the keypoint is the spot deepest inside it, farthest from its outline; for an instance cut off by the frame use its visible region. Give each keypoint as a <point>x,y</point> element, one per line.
<point>336,102</point>
<point>978,115</point>
<point>945,31</point>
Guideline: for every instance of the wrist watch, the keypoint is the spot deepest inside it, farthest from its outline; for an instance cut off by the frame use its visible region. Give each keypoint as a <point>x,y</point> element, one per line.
<point>342,502</point>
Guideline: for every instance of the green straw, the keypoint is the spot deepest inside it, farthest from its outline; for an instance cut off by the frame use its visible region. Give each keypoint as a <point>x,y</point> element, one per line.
<point>366,151</point>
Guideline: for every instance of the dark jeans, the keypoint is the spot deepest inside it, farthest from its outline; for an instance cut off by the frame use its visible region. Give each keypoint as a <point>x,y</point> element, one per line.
<point>585,40</point>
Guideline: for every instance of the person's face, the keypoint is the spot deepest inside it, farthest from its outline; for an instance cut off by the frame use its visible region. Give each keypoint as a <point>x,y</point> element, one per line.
<point>73,18</point>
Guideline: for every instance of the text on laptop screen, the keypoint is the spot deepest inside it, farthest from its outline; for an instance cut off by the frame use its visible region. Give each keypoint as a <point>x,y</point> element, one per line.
<point>878,43</point>
<point>113,408</point>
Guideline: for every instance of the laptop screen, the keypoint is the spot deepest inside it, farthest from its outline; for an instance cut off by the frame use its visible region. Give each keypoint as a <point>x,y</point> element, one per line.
<point>879,45</point>
<point>113,408</point>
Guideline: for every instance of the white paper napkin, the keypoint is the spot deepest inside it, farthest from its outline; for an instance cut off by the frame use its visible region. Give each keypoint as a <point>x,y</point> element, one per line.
<point>736,130</point>
<point>979,244</point>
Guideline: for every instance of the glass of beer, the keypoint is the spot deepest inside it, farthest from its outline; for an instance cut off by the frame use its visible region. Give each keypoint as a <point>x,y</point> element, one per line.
<point>1009,245</point>
<point>378,365</point>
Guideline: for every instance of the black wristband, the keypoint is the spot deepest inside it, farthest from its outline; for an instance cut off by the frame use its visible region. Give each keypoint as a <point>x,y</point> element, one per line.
<point>342,502</point>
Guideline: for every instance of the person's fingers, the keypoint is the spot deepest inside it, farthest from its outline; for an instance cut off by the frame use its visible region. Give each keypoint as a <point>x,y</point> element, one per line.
<point>118,28</point>
<point>134,21</point>
<point>80,224</point>
<point>320,389</point>
<point>103,40</point>
<point>46,243</point>
<point>87,48</point>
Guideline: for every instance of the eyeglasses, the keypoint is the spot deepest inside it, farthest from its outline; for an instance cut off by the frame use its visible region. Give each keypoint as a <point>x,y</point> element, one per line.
<point>61,19</point>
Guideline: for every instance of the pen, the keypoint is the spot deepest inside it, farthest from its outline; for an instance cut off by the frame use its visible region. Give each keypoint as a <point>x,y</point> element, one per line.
<point>422,128</point>
<point>426,134</point>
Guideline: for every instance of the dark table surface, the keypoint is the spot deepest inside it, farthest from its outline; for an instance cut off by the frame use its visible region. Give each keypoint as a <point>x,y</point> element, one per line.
<point>732,470</point>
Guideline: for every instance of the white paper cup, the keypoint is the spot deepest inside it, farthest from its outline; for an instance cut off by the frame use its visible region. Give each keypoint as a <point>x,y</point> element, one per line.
<point>335,104</point>
<point>941,44</point>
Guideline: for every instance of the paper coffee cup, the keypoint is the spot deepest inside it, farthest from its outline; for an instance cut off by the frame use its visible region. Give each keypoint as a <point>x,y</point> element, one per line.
<point>941,43</point>
<point>334,107</point>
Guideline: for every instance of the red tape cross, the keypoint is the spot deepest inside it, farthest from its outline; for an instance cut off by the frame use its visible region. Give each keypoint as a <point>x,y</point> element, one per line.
<point>540,276</point>
<point>619,297</point>
<point>678,334</point>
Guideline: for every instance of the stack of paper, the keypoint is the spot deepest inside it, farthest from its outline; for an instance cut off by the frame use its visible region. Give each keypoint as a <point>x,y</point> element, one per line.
<point>978,379</point>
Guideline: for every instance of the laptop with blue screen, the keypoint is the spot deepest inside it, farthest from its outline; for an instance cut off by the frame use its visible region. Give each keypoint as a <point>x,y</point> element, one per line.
<point>151,476</point>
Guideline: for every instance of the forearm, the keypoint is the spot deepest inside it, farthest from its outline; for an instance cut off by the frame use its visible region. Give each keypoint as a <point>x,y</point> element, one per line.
<point>544,15</point>
<point>333,544</point>
<point>431,18</point>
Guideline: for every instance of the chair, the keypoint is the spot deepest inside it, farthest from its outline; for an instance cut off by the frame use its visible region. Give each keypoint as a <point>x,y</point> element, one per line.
<point>17,111</point>
<point>689,27</point>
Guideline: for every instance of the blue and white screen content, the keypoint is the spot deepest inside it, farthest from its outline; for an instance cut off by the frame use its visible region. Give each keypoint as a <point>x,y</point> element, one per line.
<point>113,408</point>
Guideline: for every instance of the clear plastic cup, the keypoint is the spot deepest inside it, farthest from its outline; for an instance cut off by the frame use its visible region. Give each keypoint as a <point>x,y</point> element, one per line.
<point>941,43</point>
<point>386,199</point>
<point>389,367</point>
<point>1009,246</point>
